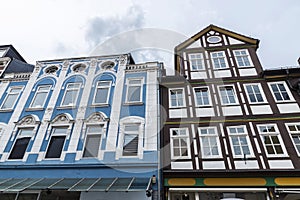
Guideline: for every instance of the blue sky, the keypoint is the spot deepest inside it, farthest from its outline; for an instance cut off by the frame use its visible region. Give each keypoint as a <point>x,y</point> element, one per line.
<point>52,29</point>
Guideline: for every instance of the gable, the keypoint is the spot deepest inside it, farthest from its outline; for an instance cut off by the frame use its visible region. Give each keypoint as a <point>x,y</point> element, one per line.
<point>213,36</point>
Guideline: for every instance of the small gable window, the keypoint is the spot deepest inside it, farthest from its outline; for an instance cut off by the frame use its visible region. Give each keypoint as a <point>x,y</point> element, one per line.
<point>51,69</point>
<point>79,67</point>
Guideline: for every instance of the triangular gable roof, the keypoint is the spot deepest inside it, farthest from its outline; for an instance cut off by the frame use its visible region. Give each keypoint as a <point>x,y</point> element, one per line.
<point>212,27</point>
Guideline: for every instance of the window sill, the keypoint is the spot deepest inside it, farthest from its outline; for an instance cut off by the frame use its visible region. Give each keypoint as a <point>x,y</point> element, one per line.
<point>203,106</point>
<point>66,107</point>
<point>133,103</point>
<point>100,105</point>
<point>34,109</point>
<point>241,67</point>
<point>6,110</point>
<point>227,68</point>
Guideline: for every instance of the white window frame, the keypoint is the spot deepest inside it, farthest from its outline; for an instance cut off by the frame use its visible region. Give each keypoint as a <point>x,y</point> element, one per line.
<point>57,134</point>
<point>275,133</point>
<point>65,92</point>
<point>208,96</point>
<point>235,95</point>
<point>247,55</point>
<point>186,136</point>
<point>12,93</point>
<point>294,133</point>
<point>183,98</point>
<point>260,90</point>
<point>193,57</point>
<point>38,92</point>
<point>128,85</point>
<point>19,136</point>
<point>97,87</point>
<point>101,134</point>
<point>239,136</point>
<point>140,133</point>
<point>214,135</point>
<point>286,88</point>
<point>218,58</point>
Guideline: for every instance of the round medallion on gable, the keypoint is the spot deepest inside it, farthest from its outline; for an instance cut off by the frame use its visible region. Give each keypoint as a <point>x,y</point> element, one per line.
<point>214,39</point>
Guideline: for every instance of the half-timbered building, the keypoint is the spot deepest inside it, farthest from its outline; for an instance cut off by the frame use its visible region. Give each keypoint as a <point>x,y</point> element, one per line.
<point>231,129</point>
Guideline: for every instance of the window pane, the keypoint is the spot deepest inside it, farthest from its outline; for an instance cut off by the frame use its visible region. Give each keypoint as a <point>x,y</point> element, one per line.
<point>101,95</point>
<point>70,97</point>
<point>19,148</point>
<point>39,99</point>
<point>130,145</point>
<point>10,101</point>
<point>55,147</point>
<point>134,93</point>
<point>92,145</point>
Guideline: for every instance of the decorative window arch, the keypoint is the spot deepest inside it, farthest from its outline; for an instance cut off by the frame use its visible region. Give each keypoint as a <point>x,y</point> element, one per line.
<point>94,129</point>
<point>131,137</point>
<point>23,137</point>
<point>58,133</point>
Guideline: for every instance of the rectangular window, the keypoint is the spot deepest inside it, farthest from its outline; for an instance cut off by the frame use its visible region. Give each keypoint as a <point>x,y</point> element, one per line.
<point>202,96</point>
<point>134,90</point>
<point>56,143</point>
<point>93,141</point>
<point>227,95</point>
<point>254,93</point>
<point>71,94</point>
<point>219,60</point>
<point>239,141</point>
<point>40,96</point>
<point>102,92</point>
<point>196,61</point>
<point>242,57</point>
<point>210,145</point>
<point>180,143</point>
<point>294,130</point>
<point>177,98</point>
<point>11,97</point>
<point>21,144</point>
<point>271,139</point>
<point>131,140</point>
<point>280,92</point>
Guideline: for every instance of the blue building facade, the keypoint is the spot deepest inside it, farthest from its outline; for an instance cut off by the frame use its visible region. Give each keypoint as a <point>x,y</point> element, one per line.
<point>81,128</point>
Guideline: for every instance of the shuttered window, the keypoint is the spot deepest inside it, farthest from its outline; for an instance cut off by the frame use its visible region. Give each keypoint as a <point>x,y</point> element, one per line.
<point>131,140</point>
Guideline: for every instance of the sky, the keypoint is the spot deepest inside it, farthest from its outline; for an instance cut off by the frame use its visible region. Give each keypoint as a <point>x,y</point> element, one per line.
<point>55,29</point>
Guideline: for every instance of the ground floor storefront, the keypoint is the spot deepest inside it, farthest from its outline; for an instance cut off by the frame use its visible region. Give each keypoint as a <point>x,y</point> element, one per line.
<point>255,188</point>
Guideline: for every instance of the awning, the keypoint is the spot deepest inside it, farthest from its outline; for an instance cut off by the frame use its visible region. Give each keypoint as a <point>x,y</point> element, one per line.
<point>75,184</point>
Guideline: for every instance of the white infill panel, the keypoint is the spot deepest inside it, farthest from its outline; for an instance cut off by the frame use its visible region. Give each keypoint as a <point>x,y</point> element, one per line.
<point>261,109</point>
<point>213,165</point>
<point>198,75</point>
<point>281,164</point>
<point>205,112</point>
<point>232,110</point>
<point>182,165</point>
<point>222,73</point>
<point>248,72</point>
<point>288,108</point>
<point>249,164</point>
<point>178,113</point>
